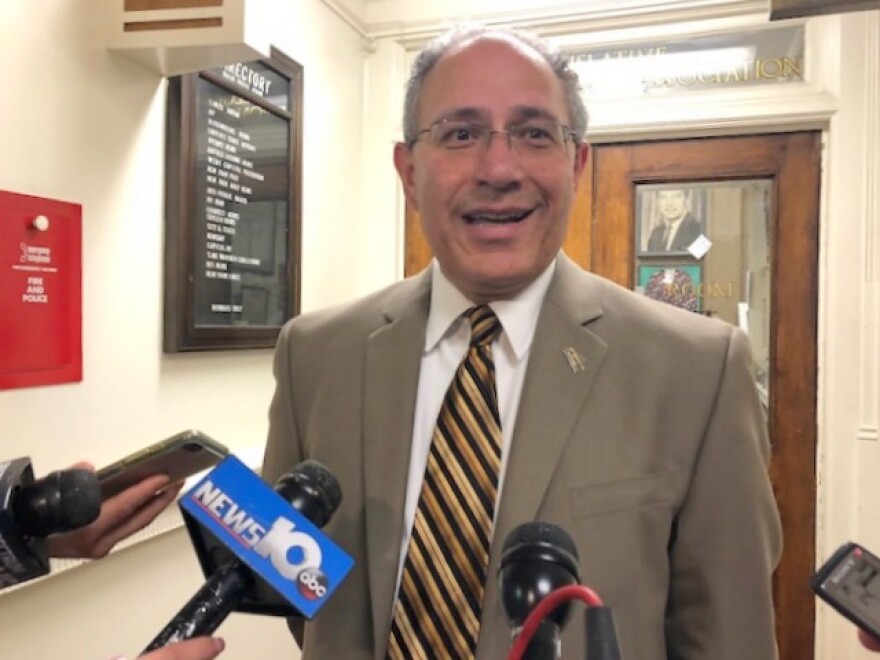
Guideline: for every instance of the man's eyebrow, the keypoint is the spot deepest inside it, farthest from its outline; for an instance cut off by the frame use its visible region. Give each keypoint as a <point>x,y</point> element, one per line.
<point>467,113</point>
<point>520,113</point>
<point>526,112</point>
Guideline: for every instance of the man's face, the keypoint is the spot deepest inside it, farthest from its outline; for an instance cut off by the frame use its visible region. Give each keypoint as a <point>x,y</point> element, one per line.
<point>494,218</point>
<point>672,204</point>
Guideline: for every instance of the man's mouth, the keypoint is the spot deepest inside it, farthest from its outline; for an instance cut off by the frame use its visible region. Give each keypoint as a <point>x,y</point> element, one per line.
<point>495,218</point>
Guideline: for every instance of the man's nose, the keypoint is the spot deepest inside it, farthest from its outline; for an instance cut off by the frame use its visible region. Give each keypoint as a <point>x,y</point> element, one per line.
<point>499,164</point>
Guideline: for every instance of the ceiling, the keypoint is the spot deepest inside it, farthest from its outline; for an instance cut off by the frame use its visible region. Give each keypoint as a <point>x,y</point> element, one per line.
<point>379,18</point>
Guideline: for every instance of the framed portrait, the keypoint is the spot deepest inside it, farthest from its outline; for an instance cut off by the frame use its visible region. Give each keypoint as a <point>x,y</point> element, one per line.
<point>669,218</point>
<point>678,284</point>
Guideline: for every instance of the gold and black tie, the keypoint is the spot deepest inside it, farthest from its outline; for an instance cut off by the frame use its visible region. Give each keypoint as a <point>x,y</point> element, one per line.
<point>437,614</point>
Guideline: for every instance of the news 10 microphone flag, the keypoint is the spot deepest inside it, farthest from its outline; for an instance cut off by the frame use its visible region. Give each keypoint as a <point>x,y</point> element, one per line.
<point>279,544</point>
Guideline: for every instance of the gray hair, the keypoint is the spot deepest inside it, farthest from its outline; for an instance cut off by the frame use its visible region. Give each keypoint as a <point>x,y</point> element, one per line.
<point>462,34</point>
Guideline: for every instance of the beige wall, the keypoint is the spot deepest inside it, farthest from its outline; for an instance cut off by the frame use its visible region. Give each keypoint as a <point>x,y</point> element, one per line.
<point>85,125</point>
<point>89,128</point>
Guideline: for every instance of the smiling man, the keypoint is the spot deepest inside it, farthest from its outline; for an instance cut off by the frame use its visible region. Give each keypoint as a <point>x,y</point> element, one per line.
<point>493,172</point>
<point>504,384</point>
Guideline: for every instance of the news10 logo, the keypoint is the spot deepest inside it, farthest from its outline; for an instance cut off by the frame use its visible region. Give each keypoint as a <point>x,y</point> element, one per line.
<point>283,542</point>
<point>272,538</point>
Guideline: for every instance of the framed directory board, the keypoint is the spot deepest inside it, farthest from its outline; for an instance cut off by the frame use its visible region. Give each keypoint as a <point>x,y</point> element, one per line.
<point>233,205</point>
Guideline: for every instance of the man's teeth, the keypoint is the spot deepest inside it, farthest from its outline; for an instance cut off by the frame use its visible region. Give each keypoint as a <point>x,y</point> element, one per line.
<point>496,218</point>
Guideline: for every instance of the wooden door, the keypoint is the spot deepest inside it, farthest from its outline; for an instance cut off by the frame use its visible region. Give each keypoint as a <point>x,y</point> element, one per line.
<point>608,235</point>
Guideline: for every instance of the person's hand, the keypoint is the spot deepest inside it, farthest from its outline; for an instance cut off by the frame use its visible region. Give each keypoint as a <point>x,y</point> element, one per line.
<point>197,648</point>
<point>869,641</point>
<point>120,517</point>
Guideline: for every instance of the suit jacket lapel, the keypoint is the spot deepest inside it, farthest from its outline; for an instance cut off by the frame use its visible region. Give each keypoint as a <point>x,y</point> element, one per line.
<point>393,360</point>
<point>565,358</point>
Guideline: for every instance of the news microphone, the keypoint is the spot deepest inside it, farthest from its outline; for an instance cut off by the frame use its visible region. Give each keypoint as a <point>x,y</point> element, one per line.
<point>539,579</point>
<point>32,509</point>
<point>537,559</point>
<point>244,531</point>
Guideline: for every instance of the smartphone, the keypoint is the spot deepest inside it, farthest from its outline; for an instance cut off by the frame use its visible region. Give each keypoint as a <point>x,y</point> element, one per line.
<point>850,582</point>
<point>179,456</point>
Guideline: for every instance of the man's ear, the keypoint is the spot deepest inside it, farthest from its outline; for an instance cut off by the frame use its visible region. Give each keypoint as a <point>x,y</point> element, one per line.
<point>403,163</point>
<point>580,161</point>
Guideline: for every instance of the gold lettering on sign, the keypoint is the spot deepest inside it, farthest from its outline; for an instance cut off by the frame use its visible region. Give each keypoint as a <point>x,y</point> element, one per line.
<point>623,54</point>
<point>771,68</point>
<point>711,289</point>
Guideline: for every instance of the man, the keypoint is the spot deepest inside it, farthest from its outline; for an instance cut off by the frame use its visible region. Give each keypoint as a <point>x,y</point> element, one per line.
<point>677,229</point>
<point>633,425</point>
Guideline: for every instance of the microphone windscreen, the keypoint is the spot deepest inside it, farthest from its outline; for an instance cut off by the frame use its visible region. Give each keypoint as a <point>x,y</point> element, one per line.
<point>59,502</point>
<point>541,541</point>
<point>312,489</point>
<point>536,559</point>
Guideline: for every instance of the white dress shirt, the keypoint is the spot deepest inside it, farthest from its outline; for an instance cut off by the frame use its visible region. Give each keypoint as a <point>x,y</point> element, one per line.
<point>671,231</point>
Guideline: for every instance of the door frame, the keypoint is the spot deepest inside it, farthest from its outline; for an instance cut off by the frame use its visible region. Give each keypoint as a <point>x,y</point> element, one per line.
<point>793,162</point>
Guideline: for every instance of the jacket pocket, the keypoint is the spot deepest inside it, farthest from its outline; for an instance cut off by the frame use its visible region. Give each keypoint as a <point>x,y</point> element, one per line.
<point>623,494</point>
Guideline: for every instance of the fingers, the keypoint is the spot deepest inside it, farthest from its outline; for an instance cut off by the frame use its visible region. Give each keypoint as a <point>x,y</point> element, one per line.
<point>121,516</point>
<point>123,506</point>
<point>869,641</point>
<point>139,518</point>
<point>199,648</point>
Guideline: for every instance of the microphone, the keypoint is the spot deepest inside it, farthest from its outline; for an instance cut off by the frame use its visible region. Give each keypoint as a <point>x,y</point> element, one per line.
<point>32,509</point>
<point>245,535</point>
<point>537,559</point>
<point>539,579</point>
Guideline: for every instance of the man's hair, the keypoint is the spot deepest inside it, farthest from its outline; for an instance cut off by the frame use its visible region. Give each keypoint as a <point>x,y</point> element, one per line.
<point>465,33</point>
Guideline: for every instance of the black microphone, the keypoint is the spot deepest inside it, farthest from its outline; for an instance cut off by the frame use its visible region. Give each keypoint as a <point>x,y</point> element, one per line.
<point>32,509</point>
<point>315,493</point>
<point>537,559</point>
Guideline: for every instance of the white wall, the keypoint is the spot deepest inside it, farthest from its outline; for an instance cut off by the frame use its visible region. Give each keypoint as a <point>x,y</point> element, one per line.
<point>849,311</point>
<point>90,128</point>
<point>84,125</point>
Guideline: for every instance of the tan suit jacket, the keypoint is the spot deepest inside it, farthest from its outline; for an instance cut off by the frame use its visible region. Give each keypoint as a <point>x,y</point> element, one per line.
<point>648,446</point>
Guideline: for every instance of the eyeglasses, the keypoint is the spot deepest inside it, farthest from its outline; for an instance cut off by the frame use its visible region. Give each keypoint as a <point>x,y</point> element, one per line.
<point>534,138</point>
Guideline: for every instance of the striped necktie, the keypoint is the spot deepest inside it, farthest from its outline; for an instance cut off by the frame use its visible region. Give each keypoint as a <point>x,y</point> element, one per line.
<point>437,614</point>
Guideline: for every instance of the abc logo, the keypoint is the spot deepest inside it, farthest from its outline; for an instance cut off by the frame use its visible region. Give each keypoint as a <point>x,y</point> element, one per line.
<point>312,583</point>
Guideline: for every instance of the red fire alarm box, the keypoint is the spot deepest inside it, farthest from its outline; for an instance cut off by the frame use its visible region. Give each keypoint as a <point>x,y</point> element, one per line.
<point>40,291</point>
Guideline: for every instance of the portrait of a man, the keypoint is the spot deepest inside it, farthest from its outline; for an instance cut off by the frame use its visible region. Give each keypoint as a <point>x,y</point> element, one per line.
<point>674,227</point>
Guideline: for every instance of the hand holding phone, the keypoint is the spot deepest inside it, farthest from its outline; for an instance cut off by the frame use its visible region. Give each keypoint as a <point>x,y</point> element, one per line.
<point>850,582</point>
<point>179,457</point>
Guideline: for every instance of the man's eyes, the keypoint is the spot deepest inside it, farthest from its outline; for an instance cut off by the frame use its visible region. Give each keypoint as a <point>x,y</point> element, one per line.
<point>461,133</point>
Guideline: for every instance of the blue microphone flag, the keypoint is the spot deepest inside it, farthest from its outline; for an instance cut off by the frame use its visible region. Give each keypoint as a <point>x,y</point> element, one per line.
<point>274,540</point>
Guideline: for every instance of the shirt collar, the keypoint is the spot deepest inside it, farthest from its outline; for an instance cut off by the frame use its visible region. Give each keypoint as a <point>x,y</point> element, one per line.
<point>518,315</point>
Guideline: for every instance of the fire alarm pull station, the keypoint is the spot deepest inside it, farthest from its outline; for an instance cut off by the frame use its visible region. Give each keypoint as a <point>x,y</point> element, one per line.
<point>40,291</point>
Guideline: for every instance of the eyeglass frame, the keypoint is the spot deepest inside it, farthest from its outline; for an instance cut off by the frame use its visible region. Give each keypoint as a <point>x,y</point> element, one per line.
<point>568,135</point>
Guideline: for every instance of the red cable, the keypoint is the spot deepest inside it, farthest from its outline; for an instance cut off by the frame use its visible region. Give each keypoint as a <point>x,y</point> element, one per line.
<point>543,608</point>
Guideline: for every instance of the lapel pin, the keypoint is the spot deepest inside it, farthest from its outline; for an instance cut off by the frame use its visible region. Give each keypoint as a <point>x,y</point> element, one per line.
<point>575,361</point>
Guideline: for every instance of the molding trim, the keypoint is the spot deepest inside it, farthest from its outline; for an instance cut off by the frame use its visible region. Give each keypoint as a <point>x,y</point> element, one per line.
<point>354,21</point>
<point>872,153</point>
<point>791,107</point>
<point>870,304</point>
<point>574,18</point>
